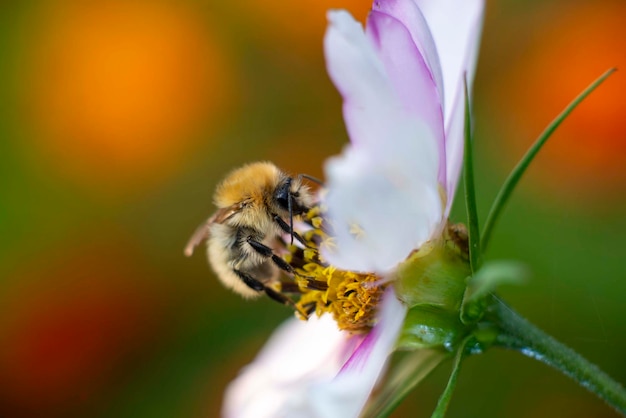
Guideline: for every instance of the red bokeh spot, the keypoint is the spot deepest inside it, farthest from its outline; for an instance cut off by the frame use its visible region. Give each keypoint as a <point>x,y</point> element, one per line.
<point>70,325</point>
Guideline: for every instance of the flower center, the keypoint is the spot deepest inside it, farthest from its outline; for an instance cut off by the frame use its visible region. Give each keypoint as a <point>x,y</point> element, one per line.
<point>349,296</point>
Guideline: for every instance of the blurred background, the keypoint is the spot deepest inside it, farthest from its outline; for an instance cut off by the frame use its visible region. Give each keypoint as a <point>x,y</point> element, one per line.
<point>118,118</point>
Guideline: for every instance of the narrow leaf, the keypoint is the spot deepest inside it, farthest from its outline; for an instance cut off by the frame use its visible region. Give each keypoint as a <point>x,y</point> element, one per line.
<point>518,171</point>
<point>470,192</point>
<point>407,374</point>
<point>446,396</point>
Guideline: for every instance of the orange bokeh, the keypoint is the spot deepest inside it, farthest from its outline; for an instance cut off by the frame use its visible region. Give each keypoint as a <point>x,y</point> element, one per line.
<point>300,21</point>
<point>587,153</point>
<point>118,91</point>
<point>70,324</point>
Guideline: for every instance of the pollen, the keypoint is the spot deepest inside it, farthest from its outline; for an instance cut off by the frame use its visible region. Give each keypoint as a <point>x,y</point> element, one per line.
<point>351,297</point>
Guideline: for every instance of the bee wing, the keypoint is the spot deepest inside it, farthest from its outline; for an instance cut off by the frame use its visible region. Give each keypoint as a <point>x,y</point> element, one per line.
<point>202,232</point>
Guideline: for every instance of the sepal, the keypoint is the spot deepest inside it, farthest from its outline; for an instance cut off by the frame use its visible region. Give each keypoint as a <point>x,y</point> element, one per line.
<point>480,286</point>
<point>435,275</point>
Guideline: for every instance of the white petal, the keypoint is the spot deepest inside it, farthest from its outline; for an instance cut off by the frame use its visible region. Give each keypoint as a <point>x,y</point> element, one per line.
<point>297,354</point>
<point>346,395</point>
<point>409,15</point>
<point>392,199</point>
<point>455,144</point>
<point>360,77</point>
<point>409,74</point>
<point>313,370</point>
<point>386,183</point>
<point>455,27</point>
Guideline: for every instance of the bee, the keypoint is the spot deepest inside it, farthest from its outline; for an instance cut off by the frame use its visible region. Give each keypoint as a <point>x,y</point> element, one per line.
<point>256,207</point>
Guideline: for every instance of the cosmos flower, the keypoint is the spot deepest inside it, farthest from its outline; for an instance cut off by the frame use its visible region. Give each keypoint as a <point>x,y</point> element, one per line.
<point>403,101</point>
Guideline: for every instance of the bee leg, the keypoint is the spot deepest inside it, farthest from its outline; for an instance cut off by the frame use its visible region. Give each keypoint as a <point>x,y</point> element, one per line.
<point>287,229</point>
<point>254,284</point>
<point>279,297</point>
<point>266,251</point>
<point>250,281</point>
<point>290,287</point>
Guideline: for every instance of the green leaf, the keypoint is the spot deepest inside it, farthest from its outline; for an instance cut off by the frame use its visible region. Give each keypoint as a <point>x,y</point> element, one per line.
<point>492,275</point>
<point>446,396</point>
<point>518,171</point>
<point>470,193</point>
<point>407,374</point>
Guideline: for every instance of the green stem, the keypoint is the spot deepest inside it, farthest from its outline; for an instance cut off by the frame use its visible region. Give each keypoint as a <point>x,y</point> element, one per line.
<point>518,334</point>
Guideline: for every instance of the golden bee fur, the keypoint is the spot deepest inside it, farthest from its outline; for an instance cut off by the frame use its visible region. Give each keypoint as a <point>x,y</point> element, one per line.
<point>256,205</point>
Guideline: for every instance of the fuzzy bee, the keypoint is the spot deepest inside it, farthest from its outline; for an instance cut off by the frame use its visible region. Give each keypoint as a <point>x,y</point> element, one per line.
<point>256,206</point>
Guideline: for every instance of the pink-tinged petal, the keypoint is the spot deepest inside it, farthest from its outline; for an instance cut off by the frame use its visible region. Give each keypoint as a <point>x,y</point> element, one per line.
<point>345,395</point>
<point>408,73</point>
<point>360,77</point>
<point>447,33</point>
<point>313,370</point>
<point>379,342</point>
<point>455,26</point>
<point>410,16</point>
<point>297,354</point>
<point>386,184</point>
<point>455,144</point>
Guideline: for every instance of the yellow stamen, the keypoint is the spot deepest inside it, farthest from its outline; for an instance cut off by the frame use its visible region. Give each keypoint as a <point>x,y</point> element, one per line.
<point>351,297</point>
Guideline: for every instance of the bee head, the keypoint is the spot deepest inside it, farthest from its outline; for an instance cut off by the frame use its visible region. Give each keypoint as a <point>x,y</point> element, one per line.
<point>282,195</point>
<point>288,199</point>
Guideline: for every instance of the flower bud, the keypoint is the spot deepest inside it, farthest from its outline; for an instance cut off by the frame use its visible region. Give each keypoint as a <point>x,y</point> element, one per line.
<point>432,282</point>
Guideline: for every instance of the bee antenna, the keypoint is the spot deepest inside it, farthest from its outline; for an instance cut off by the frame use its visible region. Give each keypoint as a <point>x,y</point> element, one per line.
<point>290,216</point>
<point>311,178</point>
